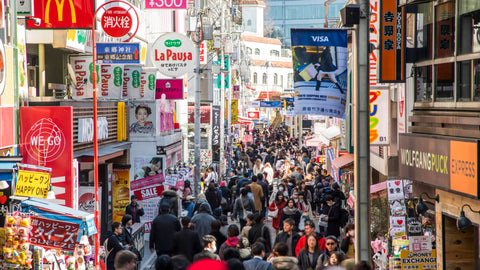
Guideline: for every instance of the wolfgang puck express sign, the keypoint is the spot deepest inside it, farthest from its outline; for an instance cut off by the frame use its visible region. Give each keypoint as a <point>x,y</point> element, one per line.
<point>441,162</point>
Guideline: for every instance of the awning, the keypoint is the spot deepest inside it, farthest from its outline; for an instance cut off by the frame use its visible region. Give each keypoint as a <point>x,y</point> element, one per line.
<point>54,211</point>
<point>331,133</point>
<point>317,140</point>
<point>105,150</point>
<point>376,190</point>
<point>343,161</point>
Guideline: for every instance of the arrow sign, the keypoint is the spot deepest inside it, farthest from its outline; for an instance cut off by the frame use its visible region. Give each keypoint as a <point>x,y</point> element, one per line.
<point>118,53</point>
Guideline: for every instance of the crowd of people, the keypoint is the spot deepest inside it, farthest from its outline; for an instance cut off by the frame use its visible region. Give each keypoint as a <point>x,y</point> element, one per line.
<point>279,209</point>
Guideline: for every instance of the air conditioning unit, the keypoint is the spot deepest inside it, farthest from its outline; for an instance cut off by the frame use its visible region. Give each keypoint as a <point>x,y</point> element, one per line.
<point>476,37</point>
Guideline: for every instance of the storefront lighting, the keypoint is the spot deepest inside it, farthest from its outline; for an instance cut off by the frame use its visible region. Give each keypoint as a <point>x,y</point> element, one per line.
<point>421,206</point>
<point>463,222</point>
<point>4,185</point>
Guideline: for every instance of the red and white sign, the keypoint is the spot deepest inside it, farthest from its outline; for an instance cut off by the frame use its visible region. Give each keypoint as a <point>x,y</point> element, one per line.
<point>166,4</point>
<point>63,14</point>
<point>203,52</point>
<point>47,140</point>
<point>116,22</point>
<point>173,54</point>
<point>265,95</point>
<point>148,191</point>
<point>253,115</point>
<point>52,233</point>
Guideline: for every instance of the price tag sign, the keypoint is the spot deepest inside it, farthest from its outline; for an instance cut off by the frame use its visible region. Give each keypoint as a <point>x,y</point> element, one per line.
<point>166,4</point>
<point>32,184</point>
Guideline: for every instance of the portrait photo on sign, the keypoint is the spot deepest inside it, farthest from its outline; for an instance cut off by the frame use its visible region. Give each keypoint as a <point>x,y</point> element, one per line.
<point>145,167</point>
<point>142,118</point>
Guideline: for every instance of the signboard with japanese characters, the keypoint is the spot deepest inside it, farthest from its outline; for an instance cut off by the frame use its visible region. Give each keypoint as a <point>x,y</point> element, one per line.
<point>118,53</point>
<point>392,48</point>
<point>173,54</point>
<point>215,125</point>
<point>82,67</point>
<point>234,111</point>
<point>397,224</point>
<point>32,184</point>
<point>418,260</point>
<point>116,22</point>
<point>111,81</point>
<point>147,83</point>
<point>172,88</point>
<point>131,81</point>
<point>55,234</point>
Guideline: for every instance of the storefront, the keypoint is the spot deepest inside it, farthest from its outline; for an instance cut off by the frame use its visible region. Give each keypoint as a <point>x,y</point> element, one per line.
<point>447,168</point>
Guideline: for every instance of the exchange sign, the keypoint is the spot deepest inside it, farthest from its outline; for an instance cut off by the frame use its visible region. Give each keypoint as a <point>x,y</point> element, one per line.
<point>173,54</point>
<point>116,22</point>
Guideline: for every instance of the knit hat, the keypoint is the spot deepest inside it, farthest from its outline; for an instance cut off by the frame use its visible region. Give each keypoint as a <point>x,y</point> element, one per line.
<point>222,184</point>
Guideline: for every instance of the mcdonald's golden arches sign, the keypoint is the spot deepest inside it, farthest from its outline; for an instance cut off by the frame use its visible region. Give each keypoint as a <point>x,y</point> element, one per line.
<point>63,13</point>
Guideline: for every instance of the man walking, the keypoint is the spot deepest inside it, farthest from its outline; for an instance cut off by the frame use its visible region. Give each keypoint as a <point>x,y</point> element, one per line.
<point>288,236</point>
<point>257,192</point>
<point>186,241</point>
<point>163,231</point>
<point>257,262</point>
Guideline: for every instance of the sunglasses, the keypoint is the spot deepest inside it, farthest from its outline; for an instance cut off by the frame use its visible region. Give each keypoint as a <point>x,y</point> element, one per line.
<point>330,244</point>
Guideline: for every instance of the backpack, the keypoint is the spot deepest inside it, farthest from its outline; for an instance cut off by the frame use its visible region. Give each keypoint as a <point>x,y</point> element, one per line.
<point>344,217</point>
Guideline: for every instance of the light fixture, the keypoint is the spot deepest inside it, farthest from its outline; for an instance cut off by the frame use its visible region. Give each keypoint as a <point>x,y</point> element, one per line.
<point>51,194</point>
<point>4,185</point>
<point>463,222</point>
<point>422,207</point>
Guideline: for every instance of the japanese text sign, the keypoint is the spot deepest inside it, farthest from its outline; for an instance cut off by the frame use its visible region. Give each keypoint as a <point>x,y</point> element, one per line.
<point>166,4</point>
<point>215,125</point>
<point>116,22</point>
<point>63,13</point>
<point>392,35</point>
<point>418,260</point>
<point>379,117</point>
<point>172,88</point>
<point>32,184</point>
<point>173,54</point>
<point>118,53</point>
<point>53,233</point>
<point>234,111</point>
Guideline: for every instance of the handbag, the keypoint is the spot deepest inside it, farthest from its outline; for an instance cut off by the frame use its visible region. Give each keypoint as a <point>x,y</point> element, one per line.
<point>274,213</point>
<point>244,212</point>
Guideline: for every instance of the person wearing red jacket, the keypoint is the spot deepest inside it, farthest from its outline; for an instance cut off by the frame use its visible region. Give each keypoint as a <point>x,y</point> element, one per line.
<point>278,203</point>
<point>309,229</point>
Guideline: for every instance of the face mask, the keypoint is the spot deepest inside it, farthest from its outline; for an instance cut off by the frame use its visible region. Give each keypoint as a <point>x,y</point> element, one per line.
<point>296,200</point>
<point>214,249</point>
<point>329,204</point>
<point>281,189</point>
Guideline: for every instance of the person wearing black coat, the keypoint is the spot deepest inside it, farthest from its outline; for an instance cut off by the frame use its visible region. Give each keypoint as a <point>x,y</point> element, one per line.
<point>135,209</point>
<point>127,237</point>
<point>264,184</point>
<point>227,194</point>
<point>186,241</point>
<point>113,244</point>
<point>163,231</point>
<point>288,233</point>
<point>290,211</point>
<point>213,196</point>
<point>259,229</point>
<point>332,218</point>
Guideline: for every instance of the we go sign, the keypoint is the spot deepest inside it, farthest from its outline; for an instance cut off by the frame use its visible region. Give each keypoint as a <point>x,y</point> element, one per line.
<point>166,4</point>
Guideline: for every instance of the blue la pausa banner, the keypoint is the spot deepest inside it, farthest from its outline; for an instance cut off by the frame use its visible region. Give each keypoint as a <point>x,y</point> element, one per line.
<point>320,71</point>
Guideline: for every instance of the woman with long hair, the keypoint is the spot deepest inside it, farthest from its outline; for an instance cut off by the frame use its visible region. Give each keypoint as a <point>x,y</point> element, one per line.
<point>258,167</point>
<point>279,203</point>
<point>308,255</point>
<point>290,211</point>
<point>269,170</point>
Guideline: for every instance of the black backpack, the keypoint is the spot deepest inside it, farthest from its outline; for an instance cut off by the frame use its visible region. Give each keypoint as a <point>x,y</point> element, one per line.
<point>344,217</point>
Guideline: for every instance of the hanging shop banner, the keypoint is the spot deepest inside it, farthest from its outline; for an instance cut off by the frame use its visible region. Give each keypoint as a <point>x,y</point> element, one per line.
<point>118,53</point>
<point>330,157</point>
<point>172,88</point>
<point>379,117</point>
<point>7,130</point>
<point>22,62</point>
<point>165,115</point>
<point>401,109</point>
<point>147,83</point>
<point>270,104</point>
<point>253,115</point>
<point>63,14</point>
<point>397,225</point>
<point>131,81</point>
<point>392,48</point>
<point>47,140</point>
<point>216,125</point>
<point>224,75</point>
<point>120,192</point>
<point>142,118</point>
<point>440,162</point>
<point>111,81</point>
<point>32,184</point>
<point>234,111</point>
<point>236,92</point>
<point>418,260</point>
<point>204,114</point>
<point>203,52</point>
<point>51,233</point>
<point>373,41</point>
<point>320,84</point>
<point>86,199</point>
<point>165,4</point>
<point>82,68</point>
<point>173,54</point>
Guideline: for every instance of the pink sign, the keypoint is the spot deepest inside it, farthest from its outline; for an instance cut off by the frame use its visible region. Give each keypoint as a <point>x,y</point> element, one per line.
<point>166,4</point>
<point>172,88</point>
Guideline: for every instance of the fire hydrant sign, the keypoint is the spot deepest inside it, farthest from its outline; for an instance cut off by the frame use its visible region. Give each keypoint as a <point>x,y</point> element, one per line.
<point>116,22</point>
<point>418,260</point>
<point>173,54</point>
<point>32,184</point>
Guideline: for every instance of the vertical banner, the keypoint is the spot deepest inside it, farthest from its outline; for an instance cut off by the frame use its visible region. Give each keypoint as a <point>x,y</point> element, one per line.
<point>82,68</point>
<point>131,82</point>
<point>401,109</point>
<point>392,36</point>
<point>111,81</point>
<point>320,71</point>
<point>22,62</point>
<point>373,40</point>
<point>216,125</point>
<point>148,83</point>
<point>120,192</point>
<point>47,140</point>
<point>379,117</point>
<point>234,111</point>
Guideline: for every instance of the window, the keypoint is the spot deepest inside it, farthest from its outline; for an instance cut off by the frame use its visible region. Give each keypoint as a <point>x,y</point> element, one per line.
<point>423,83</point>
<point>281,80</point>
<point>257,51</point>
<point>464,85</point>
<point>264,79</point>
<point>249,50</point>
<point>444,82</point>
<point>419,32</point>
<point>255,78</point>
<point>445,29</point>
<point>275,79</point>
<point>274,53</point>
<point>469,26</point>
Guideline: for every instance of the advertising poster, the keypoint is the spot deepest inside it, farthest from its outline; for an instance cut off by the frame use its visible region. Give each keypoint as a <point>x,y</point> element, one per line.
<point>86,199</point>
<point>379,117</point>
<point>320,71</point>
<point>120,192</point>
<point>401,109</point>
<point>148,187</point>
<point>147,83</point>
<point>131,81</point>
<point>216,125</point>
<point>111,81</point>
<point>82,68</point>
<point>47,140</point>
<point>142,118</point>
<point>171,88</point>
<point>418,260</point>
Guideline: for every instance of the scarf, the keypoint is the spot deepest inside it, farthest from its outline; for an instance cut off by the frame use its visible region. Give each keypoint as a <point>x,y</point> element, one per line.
<point>290,211</point>
<point>232,241</point>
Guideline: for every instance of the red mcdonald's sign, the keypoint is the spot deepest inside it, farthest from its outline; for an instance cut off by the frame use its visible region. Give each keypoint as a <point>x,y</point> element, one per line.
<point>63,13</point>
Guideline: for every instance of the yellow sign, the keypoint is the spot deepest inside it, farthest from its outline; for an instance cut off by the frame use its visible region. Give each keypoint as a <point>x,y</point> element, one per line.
<point>418,260</point>
<point>60,5</point>
<point>32,184</point>
<point>234,111</point>
<point>120,192</point>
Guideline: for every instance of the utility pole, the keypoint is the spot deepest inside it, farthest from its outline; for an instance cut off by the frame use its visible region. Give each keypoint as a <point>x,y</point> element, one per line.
<point>197,102</point>
<point>362,139</point>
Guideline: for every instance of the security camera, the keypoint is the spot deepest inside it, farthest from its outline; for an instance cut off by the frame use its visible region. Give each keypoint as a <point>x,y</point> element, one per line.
<point>37,21</point>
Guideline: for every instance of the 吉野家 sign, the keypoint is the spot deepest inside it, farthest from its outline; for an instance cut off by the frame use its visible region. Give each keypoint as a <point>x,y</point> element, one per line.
<point>172,88</point>
<point>116,22</point>
<point>118,53</point>
<point>165,4</point>
<point>32,184</point>
<point>173,54</point>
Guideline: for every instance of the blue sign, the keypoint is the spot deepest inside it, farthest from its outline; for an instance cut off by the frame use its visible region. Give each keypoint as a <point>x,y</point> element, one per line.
<point>331,156</point>
<point>271,104</point>
<point>118,53</point>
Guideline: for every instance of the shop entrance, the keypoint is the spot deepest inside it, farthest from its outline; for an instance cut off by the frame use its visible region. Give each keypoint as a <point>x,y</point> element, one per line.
<point>460,247</point>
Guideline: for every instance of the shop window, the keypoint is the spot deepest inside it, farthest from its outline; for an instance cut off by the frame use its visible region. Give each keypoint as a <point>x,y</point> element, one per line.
<point>423,83</point>
<point>444,82</point>
<point>476,80</point>
<point>255,78</point>
<point>445,29</point>
<point>464,85</point>
<point>423,32</point>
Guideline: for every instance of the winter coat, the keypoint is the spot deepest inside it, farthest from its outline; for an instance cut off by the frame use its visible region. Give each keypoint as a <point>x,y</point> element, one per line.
<point>304,261</point>
<point>203,220</point>
<point>248,204</point>
<point>187,243</point>
<point>257,231</point>
<point>162,233</point>
<point>283,237</point>
<point>229,243</point>
<point>280,206</point>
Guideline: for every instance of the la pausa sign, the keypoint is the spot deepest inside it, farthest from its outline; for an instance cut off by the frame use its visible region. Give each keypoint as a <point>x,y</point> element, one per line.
<point>173,54</point>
